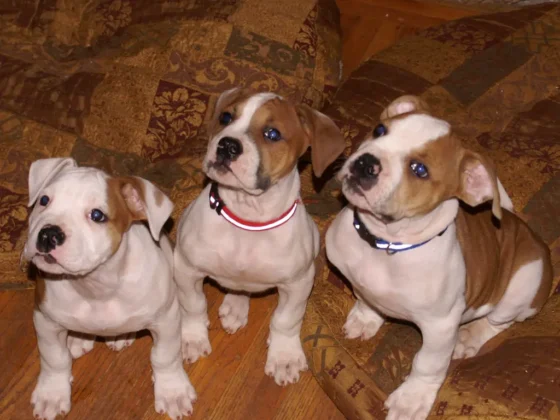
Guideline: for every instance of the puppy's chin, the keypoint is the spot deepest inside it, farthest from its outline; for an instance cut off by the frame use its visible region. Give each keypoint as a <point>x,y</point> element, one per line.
<point>49,265</point>
<point>226,177</point>
<point>358,198</point>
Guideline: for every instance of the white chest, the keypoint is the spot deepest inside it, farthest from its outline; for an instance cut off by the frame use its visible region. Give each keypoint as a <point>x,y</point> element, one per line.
<point>402,285</point>
<point>247,260</point>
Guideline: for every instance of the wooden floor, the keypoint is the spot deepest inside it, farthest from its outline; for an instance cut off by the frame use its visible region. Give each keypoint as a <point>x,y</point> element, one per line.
<point>230,383</point>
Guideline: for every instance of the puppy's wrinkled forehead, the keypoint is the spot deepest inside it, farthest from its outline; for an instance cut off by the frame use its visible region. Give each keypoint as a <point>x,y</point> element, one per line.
<point>411,132</point>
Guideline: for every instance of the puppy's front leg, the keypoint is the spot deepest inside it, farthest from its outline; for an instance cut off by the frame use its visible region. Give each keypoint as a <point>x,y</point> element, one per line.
<point>52,392</point>
<point>285,354</point>
<point>194,316</point>
<point>414,398</point>
<point>173,391</point>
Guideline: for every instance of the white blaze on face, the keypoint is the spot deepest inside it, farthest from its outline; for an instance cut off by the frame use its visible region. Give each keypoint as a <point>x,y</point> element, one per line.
<point>72,197</point>
<point>410,133</point>
<point>244,169</point>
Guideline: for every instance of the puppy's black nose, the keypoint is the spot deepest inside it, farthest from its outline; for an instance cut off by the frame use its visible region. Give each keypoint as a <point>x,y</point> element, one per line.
<point>49,238</point>
<point>366,166</point>
<point>228,149</point>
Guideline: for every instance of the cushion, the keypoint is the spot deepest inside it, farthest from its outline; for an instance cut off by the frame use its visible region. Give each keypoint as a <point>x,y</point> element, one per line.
<point>496,78</point>
<point>127,86</point>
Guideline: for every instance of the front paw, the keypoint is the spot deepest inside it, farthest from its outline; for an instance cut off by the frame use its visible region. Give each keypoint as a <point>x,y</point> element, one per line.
<point>79,344</point>
<point>195,342</point>
<point>285,359</point>
<point>362,323</point>
<point>51,397</point>
<point>120,341</point>
<point>234,312</point>
<point>412,400</point>
<point>174,395</point>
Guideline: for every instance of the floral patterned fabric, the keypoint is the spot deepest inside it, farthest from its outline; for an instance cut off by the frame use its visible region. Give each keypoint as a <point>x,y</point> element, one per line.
<point>496,78</point>
<point>127,86</point>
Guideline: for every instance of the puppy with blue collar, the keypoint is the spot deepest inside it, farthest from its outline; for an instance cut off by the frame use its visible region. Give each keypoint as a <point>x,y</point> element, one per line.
<point>101,272</point>
<point>248,229</point>
<point>412,252</point>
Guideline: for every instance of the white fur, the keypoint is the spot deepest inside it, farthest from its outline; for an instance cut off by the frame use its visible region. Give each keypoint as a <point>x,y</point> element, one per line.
<point>96,292</point>
<point>412,132</point>
<point>282,258</point>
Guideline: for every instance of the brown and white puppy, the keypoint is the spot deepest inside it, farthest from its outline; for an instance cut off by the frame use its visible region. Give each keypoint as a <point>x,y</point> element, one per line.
<point>102,272</point>
<point>248,230</point>
<point>447,265</point>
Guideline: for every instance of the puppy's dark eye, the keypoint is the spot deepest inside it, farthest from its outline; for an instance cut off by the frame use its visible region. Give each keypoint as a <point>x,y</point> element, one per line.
<point>419,169</point>
<point>97,216</point>
<point>272,134</point>
<point>226,118</point>
<point>379,130</point>
<point>44,200</point>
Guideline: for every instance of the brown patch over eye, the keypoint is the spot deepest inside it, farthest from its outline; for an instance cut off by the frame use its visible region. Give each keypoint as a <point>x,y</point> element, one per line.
<point>122,198</point>
<point>416,195</point>
<point>279,156</point>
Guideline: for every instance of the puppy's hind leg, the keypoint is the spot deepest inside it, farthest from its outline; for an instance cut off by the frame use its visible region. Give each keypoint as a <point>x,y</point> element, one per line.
<point>234,312</point>
<point>79,344</point>
<point>362,321</point>
<point>515,305</point>
<point>285,357</point>
<point>120,342</point>
<point>194,316</point>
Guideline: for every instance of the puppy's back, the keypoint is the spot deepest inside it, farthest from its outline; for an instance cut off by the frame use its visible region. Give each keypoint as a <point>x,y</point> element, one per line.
<point>494,251</point>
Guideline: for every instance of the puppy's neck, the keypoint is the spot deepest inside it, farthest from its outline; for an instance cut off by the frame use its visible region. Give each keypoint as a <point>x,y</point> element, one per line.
<point>106,279</point>
<point>266,206</point>
<point>416,229</point>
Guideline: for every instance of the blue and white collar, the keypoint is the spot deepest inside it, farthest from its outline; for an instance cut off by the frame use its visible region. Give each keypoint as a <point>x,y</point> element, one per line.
<point>378,243</point>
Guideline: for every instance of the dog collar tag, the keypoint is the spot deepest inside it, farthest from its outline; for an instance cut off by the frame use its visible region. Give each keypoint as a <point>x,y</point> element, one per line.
<point>217,204</point>
<point>378,243</point>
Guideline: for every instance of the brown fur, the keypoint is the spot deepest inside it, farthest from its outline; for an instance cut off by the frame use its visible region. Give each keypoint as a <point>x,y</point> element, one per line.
<point>121,211</point>
<point>493,256</point>
<point>415,196</point>
<point>280,157</point>
<point>233,103</point>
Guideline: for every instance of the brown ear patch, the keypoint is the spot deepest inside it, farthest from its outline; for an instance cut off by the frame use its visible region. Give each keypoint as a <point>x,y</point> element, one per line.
<point>125,198</point>
<point>325,138</point>
<point>479,182</point>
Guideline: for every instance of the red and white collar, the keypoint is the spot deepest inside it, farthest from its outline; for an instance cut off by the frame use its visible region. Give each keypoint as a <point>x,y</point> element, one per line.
<point>216,203</point>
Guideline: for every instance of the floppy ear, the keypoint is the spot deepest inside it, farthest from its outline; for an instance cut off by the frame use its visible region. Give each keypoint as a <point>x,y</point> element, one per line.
<point>478,182</point>
<point>146,202</point>
<point>403,105</point>
<point>43,171</point>
<point>325,138</point>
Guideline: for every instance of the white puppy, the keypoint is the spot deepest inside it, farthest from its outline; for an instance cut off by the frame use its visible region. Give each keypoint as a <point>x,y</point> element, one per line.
<point>411,252</point>
<point>248,229</point>
<point>101,273</point>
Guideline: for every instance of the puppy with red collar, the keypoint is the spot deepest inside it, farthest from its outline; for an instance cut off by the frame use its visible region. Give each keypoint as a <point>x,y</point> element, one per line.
<point>102,272</point>
<point>412,252</point>
<point>248,229</point>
